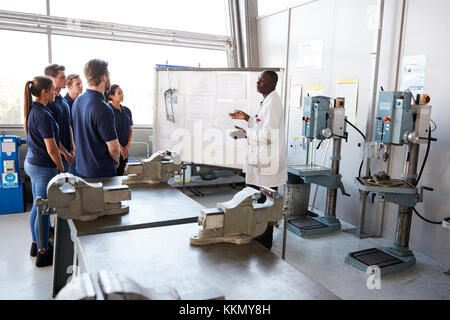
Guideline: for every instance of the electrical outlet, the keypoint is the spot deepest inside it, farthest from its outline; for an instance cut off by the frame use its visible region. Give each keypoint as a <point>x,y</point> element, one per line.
<point>446,223</point>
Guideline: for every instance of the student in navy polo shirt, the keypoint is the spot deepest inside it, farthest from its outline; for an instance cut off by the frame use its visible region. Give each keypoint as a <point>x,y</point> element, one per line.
<point>43,159</point>
<point>61,113</point>
<point>96,140</point>
<point>124,124</point>
<point>74,88</point>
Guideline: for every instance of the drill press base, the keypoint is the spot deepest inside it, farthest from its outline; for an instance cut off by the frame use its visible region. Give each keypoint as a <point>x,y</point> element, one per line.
<point>305,227</point>
<point>384,258</point>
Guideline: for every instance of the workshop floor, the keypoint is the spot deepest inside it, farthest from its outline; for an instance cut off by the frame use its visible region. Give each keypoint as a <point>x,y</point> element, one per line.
<point>321,258</point>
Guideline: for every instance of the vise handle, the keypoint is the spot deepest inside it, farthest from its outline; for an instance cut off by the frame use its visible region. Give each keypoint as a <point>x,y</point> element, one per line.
<point>268,192</point>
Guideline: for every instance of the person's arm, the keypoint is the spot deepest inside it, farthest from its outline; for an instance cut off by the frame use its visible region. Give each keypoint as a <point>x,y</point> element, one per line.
<point>239,115</point>
<point>268,124</point>
<point>53,151</point>
<point>114,150</point>
<point>126,148</point>
<point>73,142</point>
<point>69,157</point>
<point>106,127</point>
<point>130,138</point>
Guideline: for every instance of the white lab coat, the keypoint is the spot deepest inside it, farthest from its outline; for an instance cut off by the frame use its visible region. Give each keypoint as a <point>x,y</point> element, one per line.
<point>265,160</point>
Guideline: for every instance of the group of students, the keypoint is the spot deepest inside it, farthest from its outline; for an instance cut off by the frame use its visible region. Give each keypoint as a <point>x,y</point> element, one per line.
<point>80,134</point>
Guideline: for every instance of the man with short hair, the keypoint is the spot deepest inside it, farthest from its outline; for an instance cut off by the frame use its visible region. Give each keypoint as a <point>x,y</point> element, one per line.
<point>61,113</point>
<point>98,147</point>
<point>74,87</point>
<point>265,163</point>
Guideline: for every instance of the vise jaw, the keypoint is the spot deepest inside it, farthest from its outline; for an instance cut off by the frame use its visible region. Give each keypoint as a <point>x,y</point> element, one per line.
<point>74,198</point>
<point>108,285</point>
<point>113,286</point>
<point>239,220</point>
<point>160,167</point>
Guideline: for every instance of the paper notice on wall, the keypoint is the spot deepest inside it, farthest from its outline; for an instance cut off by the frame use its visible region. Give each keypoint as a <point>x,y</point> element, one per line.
<point>295,95</point>
<point>348,89</point>
<point>413,73</point>
<point>310,54</point>
<point>312,91</point>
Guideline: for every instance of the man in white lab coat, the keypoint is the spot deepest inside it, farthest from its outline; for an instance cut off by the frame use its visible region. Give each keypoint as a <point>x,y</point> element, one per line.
<point>265,162</point>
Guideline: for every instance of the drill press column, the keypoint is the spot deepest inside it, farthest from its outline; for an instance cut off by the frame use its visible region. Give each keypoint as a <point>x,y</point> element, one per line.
<point>403,228</point>
<point>330,211</point>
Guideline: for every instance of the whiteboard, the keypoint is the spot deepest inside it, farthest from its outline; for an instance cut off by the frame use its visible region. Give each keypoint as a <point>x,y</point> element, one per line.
<point>194,120</point>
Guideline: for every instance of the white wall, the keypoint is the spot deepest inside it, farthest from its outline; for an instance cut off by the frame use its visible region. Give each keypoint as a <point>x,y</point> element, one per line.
<point>347,28</point>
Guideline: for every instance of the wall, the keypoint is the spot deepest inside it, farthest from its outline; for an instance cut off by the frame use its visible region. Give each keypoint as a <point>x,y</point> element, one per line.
<point>348,31</point>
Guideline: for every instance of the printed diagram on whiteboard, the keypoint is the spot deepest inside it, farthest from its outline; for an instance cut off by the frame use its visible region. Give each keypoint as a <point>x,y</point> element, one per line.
<point>170,98</point>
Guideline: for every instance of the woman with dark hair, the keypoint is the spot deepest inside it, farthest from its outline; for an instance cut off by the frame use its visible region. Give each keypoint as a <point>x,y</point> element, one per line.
<point>124,124</point>
<point>43,159</point>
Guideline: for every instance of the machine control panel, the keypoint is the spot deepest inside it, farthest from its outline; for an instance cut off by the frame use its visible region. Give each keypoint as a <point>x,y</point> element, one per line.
<point>399,122</point>
<point>321,120</point>
<point>395,117</point>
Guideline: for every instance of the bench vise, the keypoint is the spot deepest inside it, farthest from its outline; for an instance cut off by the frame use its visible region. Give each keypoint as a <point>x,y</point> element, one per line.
<point>113,286</point>
<point>160,167</point>
<point>74,198</point>
<point>239,220</point>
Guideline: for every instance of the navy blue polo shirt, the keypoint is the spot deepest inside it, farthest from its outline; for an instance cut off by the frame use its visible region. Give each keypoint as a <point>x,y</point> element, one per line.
<point>61,113</point>
<point>70,104</point>
<point>69,101</point>
<point>41,125</point>
<point>123,122</point>
<point>93,126</point>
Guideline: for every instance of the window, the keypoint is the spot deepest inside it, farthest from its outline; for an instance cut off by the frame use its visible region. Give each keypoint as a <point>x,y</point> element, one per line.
<point>25,57</point>
<point>202,16</point>
<point>30,6</point>
<point>131,65</point>
<point>270,6</point>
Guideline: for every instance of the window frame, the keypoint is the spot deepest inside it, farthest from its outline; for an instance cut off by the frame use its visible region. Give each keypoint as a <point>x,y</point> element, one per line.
<point>52,25</point>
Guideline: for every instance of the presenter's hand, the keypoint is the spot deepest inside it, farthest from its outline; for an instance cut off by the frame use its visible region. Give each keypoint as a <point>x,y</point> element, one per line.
<point>239,115</point>
<point>239,133</point>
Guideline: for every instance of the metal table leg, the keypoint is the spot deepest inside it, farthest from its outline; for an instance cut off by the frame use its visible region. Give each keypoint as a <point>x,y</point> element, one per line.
<point>62,256</point>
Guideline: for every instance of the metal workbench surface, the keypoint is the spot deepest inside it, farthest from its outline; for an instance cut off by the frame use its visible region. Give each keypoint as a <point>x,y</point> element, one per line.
<point>163,256</point>
<point>151,205</point>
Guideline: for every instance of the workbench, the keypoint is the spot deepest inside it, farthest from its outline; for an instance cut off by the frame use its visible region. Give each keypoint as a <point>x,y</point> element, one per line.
<point>164,257</point>
<point>150,244</point>
<point>151,205</point>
